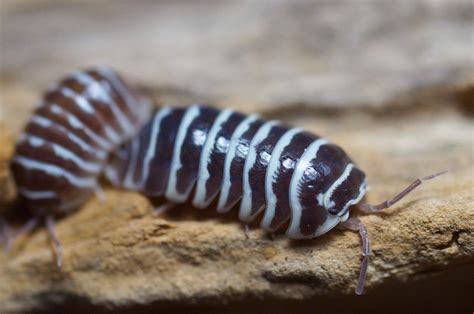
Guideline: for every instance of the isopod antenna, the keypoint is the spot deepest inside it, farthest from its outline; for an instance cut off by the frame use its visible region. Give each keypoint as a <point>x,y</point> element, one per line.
<point>354,224</point>
<point>368,208</point>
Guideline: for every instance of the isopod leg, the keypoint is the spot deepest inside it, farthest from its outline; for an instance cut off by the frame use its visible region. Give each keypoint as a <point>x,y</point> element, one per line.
<point>246,231</point>
<point>367,208</point>
<point>50,223</point>
<point>10,235</point>
<point>99,193</point>
<point>354,224</point>
<point>160,210</point>
<point>5,235</point>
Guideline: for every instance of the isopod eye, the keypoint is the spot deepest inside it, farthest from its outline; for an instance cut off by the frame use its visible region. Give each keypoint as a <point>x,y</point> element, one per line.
<point>333,211</point>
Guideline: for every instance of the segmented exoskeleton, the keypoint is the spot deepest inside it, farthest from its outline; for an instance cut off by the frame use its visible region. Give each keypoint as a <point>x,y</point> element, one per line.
<point>296,178</point>
<point>66,143</point>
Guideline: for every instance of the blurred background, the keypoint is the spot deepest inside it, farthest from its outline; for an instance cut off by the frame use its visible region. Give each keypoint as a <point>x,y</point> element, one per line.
<point>271,55</point>
<point>390,81</point>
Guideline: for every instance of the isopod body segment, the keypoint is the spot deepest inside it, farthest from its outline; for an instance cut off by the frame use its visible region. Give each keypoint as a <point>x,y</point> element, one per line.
<point>66,143</point>
<point>204,154</point>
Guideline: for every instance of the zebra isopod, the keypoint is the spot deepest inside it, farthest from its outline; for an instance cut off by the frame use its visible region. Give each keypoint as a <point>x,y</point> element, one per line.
<point>297,180</point>
<point>66,143</point>
<point>92,123</point>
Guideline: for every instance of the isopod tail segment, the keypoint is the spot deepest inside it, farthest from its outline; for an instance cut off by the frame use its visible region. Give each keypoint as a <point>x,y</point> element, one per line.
<point>354,224</point>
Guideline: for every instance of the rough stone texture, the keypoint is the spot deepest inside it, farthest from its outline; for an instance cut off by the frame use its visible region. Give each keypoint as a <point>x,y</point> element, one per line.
<point>394,88</point>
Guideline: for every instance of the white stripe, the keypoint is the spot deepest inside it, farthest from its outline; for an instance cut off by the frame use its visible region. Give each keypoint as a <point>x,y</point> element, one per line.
<point>111,175</point>
<point>139,107</point>
<point>46,123</point>
<point>345,216</point>
<point>151,152</point>
<point>246,204</point>
<point>199,200</point>
<point>171,191</point>
<point>77,124</point>
<point>32,141</point>
<point>271,174</point>
<point>84,104</point>
<point>55,171</point>
<point>231,153</point>
<point>129,182</point>
<point>37,194</point>
<point>79,100</point>
<point>98,90</point>
<point>301,166</point>
<point>362,190</point>
<point>111,134</point>
<point>343,177</point>
<point>121,88</point>
<point>331,222</point>
<point>64,153</point>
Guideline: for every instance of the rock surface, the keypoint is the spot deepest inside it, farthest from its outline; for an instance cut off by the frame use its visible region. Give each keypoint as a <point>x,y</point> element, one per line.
<point>395,89</point>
